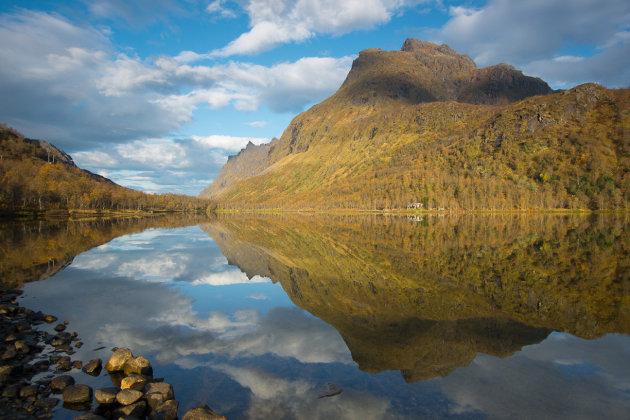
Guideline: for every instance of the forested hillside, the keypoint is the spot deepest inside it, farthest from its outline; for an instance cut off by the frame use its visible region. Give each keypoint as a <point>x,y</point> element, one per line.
<point>35,176</point>
<point>424,127</point>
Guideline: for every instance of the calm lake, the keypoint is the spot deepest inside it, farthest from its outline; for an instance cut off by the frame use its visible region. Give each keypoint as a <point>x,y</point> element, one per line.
<point>473,316</point>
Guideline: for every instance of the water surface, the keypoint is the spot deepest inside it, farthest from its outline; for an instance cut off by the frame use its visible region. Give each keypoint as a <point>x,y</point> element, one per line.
<point>468,316</point>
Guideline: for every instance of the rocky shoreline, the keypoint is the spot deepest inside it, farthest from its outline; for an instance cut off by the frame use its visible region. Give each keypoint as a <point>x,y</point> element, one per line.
<point>33,380</point>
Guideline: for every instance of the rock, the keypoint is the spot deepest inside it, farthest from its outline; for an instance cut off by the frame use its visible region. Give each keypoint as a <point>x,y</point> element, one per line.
<point>50,319</point>
<point>66,348</point>
<point>136,382</point>
<point>128,396</point>
<point>11,391</point>
<point>77,364</point>
<point>165,411</point>
<point>93,367</point>
<point>5,372</point>
<point>118,360</point>
<point>160,387</point>
<point>106,395</point>
<point>137,409</point>
<point>46,403</point>
<point>79,344</point>
<point>28,391</point>
<point>154,399</point>
<point>203,412</point>
<point>77,394</point>
<point>139,365</point>
<point>9,354</point>
<point>21,347</point>
<point>64,366</point>
<point>60,327</point>
<point>61,382</point>
<point>89,416</point>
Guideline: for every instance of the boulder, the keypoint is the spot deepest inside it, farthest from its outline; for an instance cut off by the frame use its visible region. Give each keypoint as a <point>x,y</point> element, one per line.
<point>165,411</point>
<point>128,396</point>
<point>133,381</point>
<point>154,399</point>
<point>60,383</point>
<point>77,394</point>
<point>203,412</point>
<point>106,395</point>
<point>137,409</point>
<point>139,365</point>
<point>161,387</point>
<point>93,367</point>
<point>118,360</point>
<point>89,416</point>
<point>28,391</point>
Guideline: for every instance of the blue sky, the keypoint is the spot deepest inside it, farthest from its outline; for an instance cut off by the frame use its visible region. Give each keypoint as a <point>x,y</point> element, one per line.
<point>156,94</point>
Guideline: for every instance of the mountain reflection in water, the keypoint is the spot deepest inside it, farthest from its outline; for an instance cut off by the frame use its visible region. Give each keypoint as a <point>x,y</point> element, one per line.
<point>434,304</point>
<point>425,298</point>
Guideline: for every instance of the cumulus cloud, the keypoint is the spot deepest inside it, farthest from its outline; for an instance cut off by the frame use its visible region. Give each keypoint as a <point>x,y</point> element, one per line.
<point>538,36</point>
<point>275,22</point>
<point>69,85</point>
<point>224,278</point>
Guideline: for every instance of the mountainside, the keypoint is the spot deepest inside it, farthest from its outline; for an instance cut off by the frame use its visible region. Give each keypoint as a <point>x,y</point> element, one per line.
<point>425,125</point>
<point>36,176</point>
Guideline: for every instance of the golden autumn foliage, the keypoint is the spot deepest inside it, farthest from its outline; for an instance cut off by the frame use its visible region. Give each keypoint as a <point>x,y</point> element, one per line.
<point>36,176</point>
<point>425,294</point>
<point>426,127</point>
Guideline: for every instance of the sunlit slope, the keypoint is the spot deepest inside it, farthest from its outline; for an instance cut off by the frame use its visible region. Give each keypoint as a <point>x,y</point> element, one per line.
<point>426,297</point>
<point>425,125</point>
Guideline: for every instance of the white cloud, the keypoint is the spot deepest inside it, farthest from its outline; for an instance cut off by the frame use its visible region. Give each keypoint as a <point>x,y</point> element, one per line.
<point>69,85</point>
<point>275,22</point>
<point>228,142</point>
<point>530,34</point>
<point>160,153</point>
<point>217,8</point>
<point>160,268</point>
<point>258,124</point>
<point>224,278</point>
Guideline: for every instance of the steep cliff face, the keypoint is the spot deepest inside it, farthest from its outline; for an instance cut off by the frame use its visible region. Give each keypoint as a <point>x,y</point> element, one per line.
<point>424,124</point>
<point>249,162</point>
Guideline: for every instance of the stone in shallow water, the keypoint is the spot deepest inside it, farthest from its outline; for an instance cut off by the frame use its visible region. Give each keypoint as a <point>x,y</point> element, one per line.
<point>161,387</point>
<point>89,416</point>
<point>139,365</point>
<point>93,367</point>
<point>77,394</point>
<point>203,412</point>
<point>154,399</point>
<point>46,403</point>
<point>128,396</point>
<point>165,411</point>
<point>106,395</point>
<point>61,382</point>
<point>137,409</point>
<point>117,361</point>
<point>133,381</point>
<point>28,391</point>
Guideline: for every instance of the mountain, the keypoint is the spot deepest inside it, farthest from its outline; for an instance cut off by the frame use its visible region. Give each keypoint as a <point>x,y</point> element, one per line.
<point>38,177</point>
<point>425,125</point>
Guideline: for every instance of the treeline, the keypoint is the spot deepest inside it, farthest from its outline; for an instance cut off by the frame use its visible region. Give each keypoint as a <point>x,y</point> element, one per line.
<point>34,179</point>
